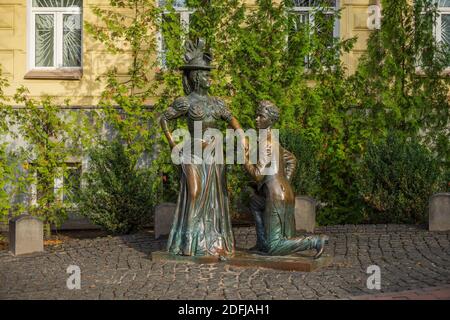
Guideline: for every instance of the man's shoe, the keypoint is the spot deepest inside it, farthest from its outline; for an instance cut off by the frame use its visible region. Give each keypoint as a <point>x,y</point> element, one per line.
<point>320,245</point>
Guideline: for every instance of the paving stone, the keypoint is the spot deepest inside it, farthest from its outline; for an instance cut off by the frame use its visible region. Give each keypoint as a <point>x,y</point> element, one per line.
<point>410,258</point>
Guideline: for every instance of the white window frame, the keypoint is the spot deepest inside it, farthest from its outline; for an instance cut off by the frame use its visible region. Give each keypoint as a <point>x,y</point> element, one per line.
<point>437,31</point>
<point>310,11</point>
<point>57,13</point>
<point>185,14</point>
<point>441,11</point>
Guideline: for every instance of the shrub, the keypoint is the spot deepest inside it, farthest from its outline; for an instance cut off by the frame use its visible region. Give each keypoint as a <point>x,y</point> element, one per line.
<point>4,168</point>
<point>396,179</point>
<point>4,175</point>
<point>306,180</point>
<point>51,137</point>
<point>10,184</point>
<point>116,193</point>
<point>340,114</point>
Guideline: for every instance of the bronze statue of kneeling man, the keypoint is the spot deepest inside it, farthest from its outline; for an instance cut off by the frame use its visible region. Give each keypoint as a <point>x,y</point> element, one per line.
<point>273,202</point>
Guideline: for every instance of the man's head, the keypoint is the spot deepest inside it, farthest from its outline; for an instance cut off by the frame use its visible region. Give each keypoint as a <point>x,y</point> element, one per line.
<point>266,114</point>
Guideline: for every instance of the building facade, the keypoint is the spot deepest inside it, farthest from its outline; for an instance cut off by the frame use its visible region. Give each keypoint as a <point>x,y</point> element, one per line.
<point>43,45</point>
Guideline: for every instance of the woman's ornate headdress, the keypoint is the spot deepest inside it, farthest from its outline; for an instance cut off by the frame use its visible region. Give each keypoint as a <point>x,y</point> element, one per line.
<point>195,57</point>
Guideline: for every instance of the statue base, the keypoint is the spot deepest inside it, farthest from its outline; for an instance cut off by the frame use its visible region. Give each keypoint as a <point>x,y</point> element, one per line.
<point>249,259</point>
<point>295,262</point>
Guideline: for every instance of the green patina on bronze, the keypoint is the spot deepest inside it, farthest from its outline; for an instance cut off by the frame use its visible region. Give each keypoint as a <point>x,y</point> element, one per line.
<point>273,200</point>
<point>202,224</point>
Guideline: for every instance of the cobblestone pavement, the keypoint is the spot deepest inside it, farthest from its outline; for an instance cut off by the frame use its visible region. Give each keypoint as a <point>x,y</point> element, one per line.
<point>410,258</point>
<point>433,293</point>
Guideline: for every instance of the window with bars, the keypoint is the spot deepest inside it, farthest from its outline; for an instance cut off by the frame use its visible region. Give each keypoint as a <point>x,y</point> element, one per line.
<point>55,35</point>
<point>443,22</point>
<point>304,12</point>
<point>182,16</point>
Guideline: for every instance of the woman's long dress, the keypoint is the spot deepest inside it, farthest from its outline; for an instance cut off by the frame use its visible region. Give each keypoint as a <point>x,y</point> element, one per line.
<point>202,224</point>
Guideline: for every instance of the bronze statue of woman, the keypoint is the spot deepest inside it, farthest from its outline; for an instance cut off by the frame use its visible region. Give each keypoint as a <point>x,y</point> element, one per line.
<point>202,224</point>
<point>273,201</point>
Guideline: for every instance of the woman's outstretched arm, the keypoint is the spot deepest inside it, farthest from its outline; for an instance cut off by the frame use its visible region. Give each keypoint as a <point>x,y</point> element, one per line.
<point>234,123</point>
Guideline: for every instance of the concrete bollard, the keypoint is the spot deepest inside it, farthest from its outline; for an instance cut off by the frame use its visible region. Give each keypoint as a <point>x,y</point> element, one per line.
<point>26,235</point>
<point>305,213</point>
<point>439,212</point>
<point>164,215</point>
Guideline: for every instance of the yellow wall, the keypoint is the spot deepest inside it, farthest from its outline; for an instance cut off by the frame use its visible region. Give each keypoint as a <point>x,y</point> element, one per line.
<point>85,92</point>
<point>354,24</point>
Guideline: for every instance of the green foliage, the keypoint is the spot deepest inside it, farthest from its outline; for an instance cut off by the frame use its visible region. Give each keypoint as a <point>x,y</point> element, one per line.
<point>396,179</point>
<point>116,195</point>
<point>334,113</point>
<point>5,169</point>
<point>399,88</point>
<point>51,139</point>
<point>399,81</point>
<point>327,116</point>
<point>336,124</point>
<point>306,180</point>
<point>13,183</point>
<point>307,81</point>
<point>4,175</point>
<point>125,103</point>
